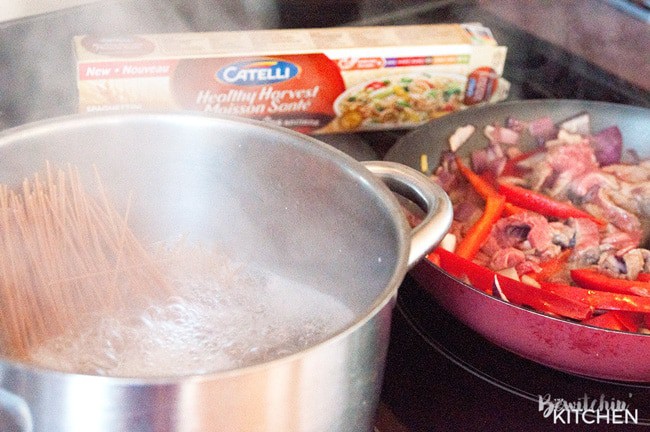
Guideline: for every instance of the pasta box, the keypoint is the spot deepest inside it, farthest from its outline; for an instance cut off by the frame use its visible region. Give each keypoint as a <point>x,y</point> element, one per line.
<point>316,81</point>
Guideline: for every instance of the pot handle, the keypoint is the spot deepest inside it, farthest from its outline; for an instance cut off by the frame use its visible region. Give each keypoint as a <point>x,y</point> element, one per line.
<point>428,196</point>
<point>14,413</point>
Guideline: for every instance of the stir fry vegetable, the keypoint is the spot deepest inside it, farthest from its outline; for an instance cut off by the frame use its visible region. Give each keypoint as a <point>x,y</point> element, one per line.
<point>483,186</point>
<point>596,280</point>
<point>558,227</point>
<point>477,234</point>
<point>543,204</point>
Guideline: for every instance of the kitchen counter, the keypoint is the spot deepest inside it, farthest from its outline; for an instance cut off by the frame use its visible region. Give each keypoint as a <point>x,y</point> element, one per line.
<point>578,49</point>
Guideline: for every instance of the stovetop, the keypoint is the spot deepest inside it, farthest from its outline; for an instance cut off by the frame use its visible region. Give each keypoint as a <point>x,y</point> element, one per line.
<point>440,375</point>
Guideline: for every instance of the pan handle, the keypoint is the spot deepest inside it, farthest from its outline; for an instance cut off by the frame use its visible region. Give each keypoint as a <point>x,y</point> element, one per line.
<point>15,414</point>
<point>430,197</point>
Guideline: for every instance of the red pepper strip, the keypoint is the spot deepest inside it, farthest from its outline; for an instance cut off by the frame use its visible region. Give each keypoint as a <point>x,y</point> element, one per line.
<point>607,320</point>
<point>434,258</point>
<point>543,300</point>
<point>463,269</point>
<point>543,204</point>
<point>479,232</point>
<point>482,186</point>
<point>552,266</point>
<point>595,280</point>
<point>600,299</point>
<point>511,168</point>
<point>631,321</point>
<point>643,277</point>
<point>517,292</point>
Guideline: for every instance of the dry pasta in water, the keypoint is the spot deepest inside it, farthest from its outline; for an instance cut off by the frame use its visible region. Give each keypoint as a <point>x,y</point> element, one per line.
<point>65,252</point>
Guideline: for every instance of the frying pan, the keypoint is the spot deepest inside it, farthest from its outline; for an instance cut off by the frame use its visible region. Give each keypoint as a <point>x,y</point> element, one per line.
<point>555,342</point>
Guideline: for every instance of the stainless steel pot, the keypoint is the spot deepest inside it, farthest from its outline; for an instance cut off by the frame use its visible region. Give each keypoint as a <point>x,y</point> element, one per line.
<point>285,201</point>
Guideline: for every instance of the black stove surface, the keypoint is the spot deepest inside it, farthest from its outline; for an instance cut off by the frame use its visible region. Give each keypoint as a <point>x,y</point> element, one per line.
<point>440,375</point>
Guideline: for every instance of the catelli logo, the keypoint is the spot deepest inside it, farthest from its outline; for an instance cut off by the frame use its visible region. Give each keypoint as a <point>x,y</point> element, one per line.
<point>257,72</point>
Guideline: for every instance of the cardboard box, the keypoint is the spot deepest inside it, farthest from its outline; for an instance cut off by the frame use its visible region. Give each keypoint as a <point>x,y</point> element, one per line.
<point>311,80</point>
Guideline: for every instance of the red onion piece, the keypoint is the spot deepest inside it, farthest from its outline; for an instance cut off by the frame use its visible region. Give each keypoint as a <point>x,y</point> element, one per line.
<point>608,145</point>
<point>543,129</point>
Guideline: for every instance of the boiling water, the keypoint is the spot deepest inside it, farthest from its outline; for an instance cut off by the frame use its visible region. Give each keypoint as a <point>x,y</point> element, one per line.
<point>218,320</point>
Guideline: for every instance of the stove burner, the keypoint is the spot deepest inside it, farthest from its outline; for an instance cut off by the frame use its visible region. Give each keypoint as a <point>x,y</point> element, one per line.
<point>457,359</point>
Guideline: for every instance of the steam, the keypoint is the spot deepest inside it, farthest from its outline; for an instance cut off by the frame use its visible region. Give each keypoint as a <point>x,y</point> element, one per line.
<point>37,63</point>
<point>224,316</point>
